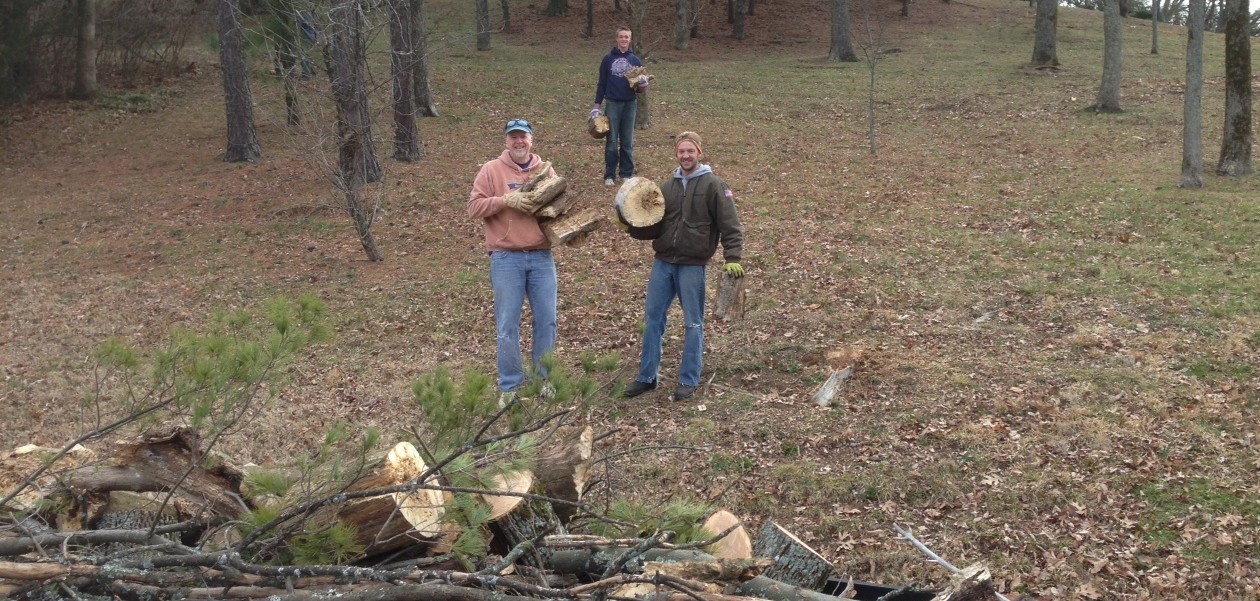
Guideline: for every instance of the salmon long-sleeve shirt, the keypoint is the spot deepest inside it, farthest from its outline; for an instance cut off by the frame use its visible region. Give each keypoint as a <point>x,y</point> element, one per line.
<point>506,228</point>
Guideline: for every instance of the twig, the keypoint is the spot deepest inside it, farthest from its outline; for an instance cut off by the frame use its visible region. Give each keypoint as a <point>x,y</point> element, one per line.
<point>908,534</point>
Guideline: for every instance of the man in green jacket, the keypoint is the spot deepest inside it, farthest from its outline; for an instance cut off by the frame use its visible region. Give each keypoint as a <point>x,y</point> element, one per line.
<point>699,213</point>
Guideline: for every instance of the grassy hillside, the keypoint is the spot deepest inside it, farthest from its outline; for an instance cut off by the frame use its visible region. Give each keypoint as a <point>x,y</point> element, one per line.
<point>1056,347</point>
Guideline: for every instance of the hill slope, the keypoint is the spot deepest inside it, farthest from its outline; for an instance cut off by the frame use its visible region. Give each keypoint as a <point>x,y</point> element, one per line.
<point>1055,348</point>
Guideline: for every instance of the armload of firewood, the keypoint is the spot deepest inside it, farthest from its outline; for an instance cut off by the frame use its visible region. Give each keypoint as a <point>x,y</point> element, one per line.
<point>558,222</point>
<point>633,74</point>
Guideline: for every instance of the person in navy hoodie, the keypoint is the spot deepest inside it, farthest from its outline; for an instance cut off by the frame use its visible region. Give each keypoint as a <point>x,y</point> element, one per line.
<point>617,94</point>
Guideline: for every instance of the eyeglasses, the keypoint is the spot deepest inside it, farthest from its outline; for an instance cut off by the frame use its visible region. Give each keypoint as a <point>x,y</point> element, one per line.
<point>518,123</point>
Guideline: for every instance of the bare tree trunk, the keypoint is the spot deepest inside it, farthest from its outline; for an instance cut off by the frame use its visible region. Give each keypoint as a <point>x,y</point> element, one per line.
<point>1154,26</point>
<point>423,78</point>
<point>841,34</point>
<point>357,162</point>
<point>741,11</point>
<point>1192,111</point>
<point>905,8</point>
<point>637,10</point>
<point>85,60</point>
<point>1109,90</point>
<point>642,111</point>
<point>590,18</point>
<point>1045,39</point>
<point>695,18</point>
<point>242,136</point>
<point>1236,138</point>
<point>483,25</point>
<point>402,54</point>
<point>872,60</point>
<point>681,37</point>
<point>507,15</point>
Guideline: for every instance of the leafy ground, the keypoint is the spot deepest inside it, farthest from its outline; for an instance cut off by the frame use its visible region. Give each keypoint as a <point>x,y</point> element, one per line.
<point>1056,347</point>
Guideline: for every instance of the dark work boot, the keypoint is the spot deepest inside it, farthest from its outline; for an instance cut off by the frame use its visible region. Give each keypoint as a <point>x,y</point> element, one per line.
<point>683,392</point>
<point>637,388</point>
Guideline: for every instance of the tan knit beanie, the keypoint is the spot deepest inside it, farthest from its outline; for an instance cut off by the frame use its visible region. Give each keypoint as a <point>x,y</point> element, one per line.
<point>689,136</point>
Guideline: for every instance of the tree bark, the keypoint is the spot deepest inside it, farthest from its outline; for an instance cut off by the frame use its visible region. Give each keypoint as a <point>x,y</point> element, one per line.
<point>794,561</point>
<point>681,29</point>
<point>1192,109</point>
<point>357,164</point>
<point>242,136</point>
<point>1109,90</point>
<point>841,34</point>
<point>85,58</point>
<point>1045,40</point>
<point>1235,156</point>
<point>507,15</point>
<point>695,18</point>
<point>402,54</point>
<point>423,77</point>
<point>483,25</point>
<point>590,19</point>
<point>741,11</point>
<point>1154,26</point>
<point>730,298</point>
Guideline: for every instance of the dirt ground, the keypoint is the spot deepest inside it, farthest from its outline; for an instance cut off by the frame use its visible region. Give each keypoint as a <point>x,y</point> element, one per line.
<point>125,223</point>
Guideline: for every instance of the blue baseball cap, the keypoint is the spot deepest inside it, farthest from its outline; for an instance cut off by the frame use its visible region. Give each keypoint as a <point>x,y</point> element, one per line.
<point>518,125</point>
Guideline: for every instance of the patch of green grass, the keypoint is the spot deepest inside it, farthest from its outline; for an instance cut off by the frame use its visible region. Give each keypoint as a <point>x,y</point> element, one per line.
<point>726,463</point>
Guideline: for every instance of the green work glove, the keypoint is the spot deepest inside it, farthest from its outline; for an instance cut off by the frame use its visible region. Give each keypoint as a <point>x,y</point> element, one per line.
<point>621,223</point>
<point>735,270</point>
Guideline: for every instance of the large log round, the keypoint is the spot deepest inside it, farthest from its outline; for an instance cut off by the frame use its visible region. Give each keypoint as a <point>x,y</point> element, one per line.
<point>389,522</point>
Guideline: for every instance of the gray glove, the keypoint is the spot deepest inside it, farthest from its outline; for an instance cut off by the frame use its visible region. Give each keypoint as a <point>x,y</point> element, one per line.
<point>594,112</point>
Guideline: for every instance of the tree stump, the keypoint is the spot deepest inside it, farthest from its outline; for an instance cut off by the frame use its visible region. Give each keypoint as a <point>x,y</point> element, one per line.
<point>794,562</point>
<point>562,467</point>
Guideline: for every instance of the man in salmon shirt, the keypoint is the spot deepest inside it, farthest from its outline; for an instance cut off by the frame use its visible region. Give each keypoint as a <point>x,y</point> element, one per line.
<point>521,265</point>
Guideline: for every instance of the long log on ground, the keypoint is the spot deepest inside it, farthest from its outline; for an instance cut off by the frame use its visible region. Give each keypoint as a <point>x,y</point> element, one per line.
<point>571,226</point>
<point>588,561</point>
<point>794,561</point>
<point>26,544</point>
<point>108,478</point>
<point>561,467</point>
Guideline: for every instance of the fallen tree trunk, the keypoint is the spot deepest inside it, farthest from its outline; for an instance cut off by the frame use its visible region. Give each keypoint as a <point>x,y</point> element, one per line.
<point>174,460</point>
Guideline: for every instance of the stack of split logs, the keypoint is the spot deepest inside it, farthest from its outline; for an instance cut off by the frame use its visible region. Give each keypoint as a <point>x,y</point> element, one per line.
<point>559,224</point>
<point>156,518</point>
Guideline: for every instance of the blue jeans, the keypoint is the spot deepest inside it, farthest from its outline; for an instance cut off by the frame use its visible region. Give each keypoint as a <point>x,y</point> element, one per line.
<point>516,275</point>
<point>686,282</point>
<point>619,145</point>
